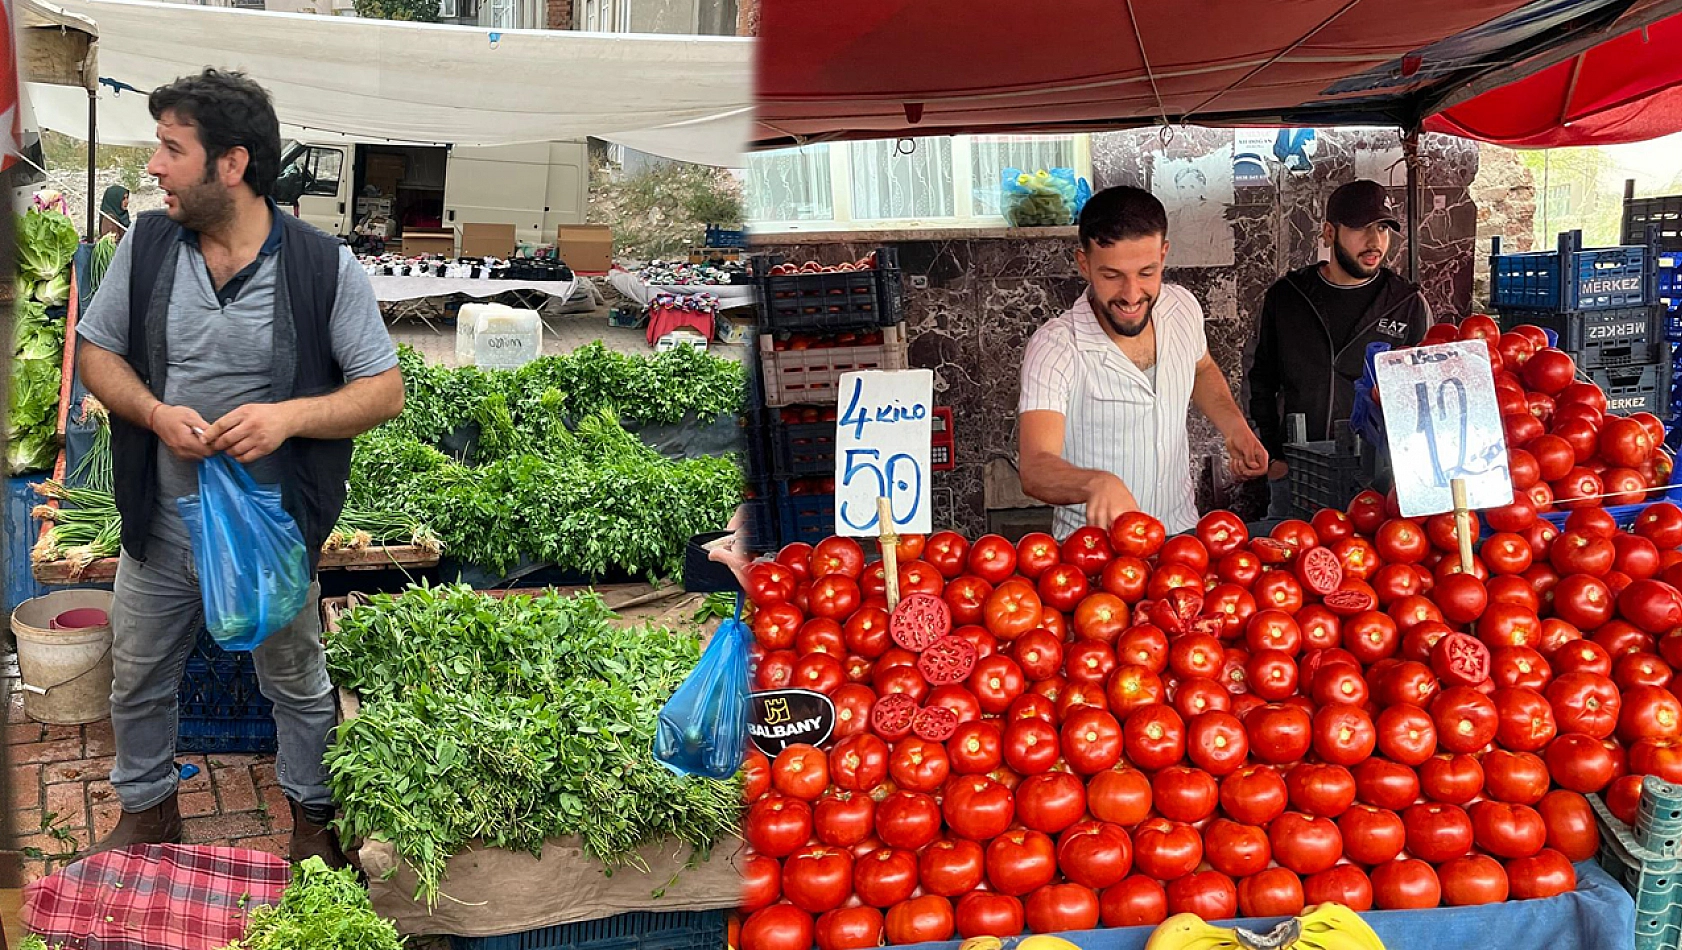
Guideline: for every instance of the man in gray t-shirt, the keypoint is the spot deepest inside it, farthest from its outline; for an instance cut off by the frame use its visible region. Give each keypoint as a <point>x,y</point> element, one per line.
<point>228,279</point>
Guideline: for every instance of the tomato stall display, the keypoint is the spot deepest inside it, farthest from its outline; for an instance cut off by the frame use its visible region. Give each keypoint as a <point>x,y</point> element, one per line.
<point>1126,726</point>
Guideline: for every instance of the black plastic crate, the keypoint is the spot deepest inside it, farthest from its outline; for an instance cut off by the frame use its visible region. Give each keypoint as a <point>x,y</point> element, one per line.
<point>808,518</point>
<point>1663,215</point>
<point>680,930</point>
<point>1596,338</point>
<point>222,709</point>
<point>834,301</point>
<point>1325,474</point>
<point>806,448</point>
<point>1631,389</point>
<point>1572,278</point>
<point>761,522</point>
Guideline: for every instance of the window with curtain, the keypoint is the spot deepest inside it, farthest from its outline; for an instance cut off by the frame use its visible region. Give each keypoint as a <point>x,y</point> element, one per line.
<point>889,183</point>
<point>990,155</point>
<point>934,182</point>
<point>790,185</point>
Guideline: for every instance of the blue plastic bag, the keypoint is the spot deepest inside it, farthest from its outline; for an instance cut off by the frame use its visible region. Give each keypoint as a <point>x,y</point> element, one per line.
<point>254,572</point>
<point>703,728</point>
<point>1042,199</point>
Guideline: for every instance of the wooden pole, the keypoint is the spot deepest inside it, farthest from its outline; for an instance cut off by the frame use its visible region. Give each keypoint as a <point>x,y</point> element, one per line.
<point>890,549</point>
<point>1462,523</point>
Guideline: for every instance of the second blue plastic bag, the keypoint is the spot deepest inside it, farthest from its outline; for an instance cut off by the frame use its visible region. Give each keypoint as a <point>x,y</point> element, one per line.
<point>703,728</point>
<point>254,572</point>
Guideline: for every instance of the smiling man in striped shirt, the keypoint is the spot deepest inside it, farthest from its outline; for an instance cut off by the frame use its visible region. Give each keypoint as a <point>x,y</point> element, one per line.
<point>1106,385</point>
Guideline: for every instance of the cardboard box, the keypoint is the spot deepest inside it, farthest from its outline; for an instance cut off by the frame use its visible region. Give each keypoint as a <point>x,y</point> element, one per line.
<point>417,243</point>
<point>383,165</point>
<point>586,247</point>
<point>487,240</point>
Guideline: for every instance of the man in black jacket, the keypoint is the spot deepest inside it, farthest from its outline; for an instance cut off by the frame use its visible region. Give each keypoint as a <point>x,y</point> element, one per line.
<point>225,325</point>
<point>1316,323</point>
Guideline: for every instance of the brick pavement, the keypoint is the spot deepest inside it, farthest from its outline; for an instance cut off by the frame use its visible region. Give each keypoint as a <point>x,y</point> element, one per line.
<point>61,799</point>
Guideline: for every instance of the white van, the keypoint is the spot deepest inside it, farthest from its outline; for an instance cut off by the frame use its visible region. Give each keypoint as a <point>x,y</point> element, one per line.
<point>535,187</point>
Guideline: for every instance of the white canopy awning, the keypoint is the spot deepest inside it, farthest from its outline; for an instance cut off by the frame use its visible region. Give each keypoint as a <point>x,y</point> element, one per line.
<point>683,97</point>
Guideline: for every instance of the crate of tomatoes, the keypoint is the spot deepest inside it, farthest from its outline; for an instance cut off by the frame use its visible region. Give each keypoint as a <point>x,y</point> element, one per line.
<point>814,296</point>
<point>1124,726</point>
<point>807,367</point>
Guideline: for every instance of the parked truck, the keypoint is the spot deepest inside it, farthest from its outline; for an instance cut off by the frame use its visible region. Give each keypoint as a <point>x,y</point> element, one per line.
<point>338,186</point>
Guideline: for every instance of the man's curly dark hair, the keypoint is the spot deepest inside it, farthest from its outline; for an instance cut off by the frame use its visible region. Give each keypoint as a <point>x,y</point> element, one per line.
<point>230,111</point>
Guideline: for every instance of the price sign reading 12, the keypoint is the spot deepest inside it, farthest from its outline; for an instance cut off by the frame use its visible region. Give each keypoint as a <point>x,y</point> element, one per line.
<point>882,451</point>
<point>1443,422</point>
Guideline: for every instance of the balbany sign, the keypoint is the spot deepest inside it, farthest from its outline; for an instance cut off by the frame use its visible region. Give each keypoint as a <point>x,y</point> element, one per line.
<point>783,717</point>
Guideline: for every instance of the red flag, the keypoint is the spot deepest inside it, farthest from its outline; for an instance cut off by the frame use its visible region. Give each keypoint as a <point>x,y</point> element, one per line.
<point>11,118</point>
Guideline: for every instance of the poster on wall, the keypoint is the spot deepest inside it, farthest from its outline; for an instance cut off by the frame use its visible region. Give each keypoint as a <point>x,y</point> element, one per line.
<point>1196,193</point>
<point>1252,156</point>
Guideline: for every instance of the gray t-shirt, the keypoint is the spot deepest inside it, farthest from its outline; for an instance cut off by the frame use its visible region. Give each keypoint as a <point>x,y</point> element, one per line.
<point>221,358</point>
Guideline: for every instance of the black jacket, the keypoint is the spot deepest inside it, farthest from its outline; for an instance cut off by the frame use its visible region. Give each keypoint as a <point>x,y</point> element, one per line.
<point>317,471</point>
<point>1292,364</point>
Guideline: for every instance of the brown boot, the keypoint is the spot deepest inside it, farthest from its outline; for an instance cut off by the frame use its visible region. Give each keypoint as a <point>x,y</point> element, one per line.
<point>160,824</point>
<point>310,839</point>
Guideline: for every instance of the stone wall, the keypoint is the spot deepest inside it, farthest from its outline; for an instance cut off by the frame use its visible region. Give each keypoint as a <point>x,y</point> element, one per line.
<point>1505,194</point>
<point>974,298</point>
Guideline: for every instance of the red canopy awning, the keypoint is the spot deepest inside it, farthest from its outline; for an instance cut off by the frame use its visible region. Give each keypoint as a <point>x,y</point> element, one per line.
<point>893,68</point>
<point>1626,89</point>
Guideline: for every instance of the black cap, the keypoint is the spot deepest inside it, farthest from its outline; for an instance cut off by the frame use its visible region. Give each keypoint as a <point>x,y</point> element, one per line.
<point>1360,203</point>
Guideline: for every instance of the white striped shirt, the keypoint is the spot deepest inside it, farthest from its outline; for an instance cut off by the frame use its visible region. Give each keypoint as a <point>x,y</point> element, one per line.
<point>1114,419</point>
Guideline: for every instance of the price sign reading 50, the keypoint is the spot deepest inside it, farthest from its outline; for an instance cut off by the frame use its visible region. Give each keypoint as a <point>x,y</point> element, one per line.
<point>1443,422</point>
<point>882,451</point>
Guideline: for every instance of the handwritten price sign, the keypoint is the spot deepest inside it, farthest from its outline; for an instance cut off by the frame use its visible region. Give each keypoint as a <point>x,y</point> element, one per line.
<point>1443,422</point>
<point>882,451</point>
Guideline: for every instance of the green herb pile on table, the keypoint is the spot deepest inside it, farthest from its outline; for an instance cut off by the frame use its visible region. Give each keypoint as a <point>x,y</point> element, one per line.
<point>321,908</point>
<point>552,475</point>
<point>510,722</point>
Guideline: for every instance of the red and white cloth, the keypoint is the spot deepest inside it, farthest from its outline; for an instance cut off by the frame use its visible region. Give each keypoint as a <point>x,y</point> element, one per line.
<point>154,897</point>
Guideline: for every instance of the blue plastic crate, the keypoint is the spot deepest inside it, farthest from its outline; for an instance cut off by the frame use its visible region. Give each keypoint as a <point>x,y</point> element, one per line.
<point>1594,279</point>
<point>222,708</point>
<point>21,530</point>
<point>725,237</point>
<point>681,930</point>
<point>808,518</point>
<point>1625,515</point>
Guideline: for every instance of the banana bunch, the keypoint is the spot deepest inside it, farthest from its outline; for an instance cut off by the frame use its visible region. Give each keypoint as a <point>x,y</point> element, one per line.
<point>1323,927</point>
<point>1035,942</point>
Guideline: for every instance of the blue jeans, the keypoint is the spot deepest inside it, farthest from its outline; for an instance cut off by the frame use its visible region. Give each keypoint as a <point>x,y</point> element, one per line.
<point>156,616</point>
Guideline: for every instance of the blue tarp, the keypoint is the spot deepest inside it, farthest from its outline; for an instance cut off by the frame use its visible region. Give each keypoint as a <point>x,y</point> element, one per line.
<point>1598,915</point>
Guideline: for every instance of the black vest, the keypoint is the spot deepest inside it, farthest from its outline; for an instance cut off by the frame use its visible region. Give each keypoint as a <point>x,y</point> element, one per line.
<point>316,471</point>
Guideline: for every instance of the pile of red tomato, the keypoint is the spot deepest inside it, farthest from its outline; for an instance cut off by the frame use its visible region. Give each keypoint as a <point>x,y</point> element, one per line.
<point>1126,726</point>
<point>1566,450</point>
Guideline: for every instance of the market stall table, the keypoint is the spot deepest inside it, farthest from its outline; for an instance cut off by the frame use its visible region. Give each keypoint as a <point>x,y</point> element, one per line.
<point>730,296</point>
<point>407,294</point>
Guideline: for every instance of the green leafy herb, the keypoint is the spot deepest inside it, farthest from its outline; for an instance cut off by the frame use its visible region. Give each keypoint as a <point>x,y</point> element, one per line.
<point>321,908</point>
<point>510,722</point>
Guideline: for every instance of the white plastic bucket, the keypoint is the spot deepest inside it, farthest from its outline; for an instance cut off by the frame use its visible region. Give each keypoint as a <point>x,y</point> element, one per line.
<point>66,673</point>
